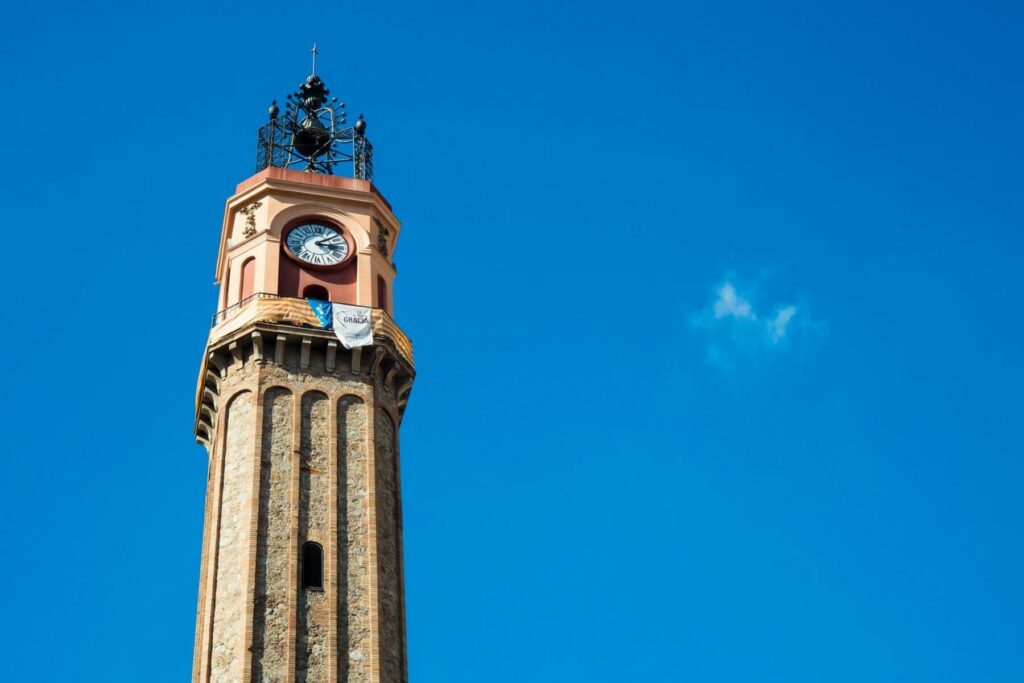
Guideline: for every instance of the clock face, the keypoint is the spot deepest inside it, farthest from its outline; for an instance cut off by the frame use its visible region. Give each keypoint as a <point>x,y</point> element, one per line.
<point>316,244</point>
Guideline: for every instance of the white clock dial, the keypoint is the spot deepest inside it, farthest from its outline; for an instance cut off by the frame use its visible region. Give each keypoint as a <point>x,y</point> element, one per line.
<point>318,245</point>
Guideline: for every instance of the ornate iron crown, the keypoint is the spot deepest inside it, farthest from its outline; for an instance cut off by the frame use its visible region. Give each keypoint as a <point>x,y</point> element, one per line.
<point>312,134</point>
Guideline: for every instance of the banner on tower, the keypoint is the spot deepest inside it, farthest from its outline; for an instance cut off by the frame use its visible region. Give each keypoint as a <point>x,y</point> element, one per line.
<point>353,325</point>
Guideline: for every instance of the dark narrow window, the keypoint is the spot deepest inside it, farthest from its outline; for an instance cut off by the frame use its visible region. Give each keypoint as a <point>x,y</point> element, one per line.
<point>312,565</point>
<point>382,293</point>
<point>316,292</point>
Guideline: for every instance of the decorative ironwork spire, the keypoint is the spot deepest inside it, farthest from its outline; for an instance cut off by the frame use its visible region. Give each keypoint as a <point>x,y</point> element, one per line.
<point>312,133</point>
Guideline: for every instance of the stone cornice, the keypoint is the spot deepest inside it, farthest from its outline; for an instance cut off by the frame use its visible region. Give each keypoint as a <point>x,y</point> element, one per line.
<point>298,349</point>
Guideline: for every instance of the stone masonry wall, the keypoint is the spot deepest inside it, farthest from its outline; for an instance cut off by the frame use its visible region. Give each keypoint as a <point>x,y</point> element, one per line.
<point>270,604</point>
<point>229,596</point>
<point>388,538</point>
<point>353,527</point>
<point>314,525</point>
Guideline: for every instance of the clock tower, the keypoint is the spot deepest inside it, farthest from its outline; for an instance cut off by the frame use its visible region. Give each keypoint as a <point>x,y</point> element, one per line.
<point>301,578</point>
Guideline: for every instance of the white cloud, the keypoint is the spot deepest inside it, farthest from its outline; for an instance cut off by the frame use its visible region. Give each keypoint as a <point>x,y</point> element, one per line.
<point>777,325</point>
<point>737,333</point>
<point>730,303</point>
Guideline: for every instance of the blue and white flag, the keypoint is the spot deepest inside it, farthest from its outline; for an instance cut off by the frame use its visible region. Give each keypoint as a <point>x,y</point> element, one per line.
<point>322,311</point>
<point>353,326</point>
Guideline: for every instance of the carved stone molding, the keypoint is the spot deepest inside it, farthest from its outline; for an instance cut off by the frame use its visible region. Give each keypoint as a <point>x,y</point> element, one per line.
<point>382,237</point>
<point>250,219</point>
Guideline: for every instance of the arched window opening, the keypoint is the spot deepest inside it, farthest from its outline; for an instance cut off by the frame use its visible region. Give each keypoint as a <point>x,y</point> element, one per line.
<point>248,278</point>
<point>316,292</point>
<point>382,293</point>
<point>312,565</point>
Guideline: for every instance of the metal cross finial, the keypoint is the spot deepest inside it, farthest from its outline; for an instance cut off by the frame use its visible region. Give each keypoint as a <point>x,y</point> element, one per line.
<point>315,52</point>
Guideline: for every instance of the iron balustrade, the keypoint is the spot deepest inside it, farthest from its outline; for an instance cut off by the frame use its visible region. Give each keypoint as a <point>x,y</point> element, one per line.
<point>222,315</point>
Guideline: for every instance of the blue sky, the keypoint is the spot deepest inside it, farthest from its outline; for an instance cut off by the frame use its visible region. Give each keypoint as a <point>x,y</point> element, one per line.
<point>717,311</point>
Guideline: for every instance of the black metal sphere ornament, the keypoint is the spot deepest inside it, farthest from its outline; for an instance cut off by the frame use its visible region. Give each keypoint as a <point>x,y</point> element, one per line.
<point>312,133</point>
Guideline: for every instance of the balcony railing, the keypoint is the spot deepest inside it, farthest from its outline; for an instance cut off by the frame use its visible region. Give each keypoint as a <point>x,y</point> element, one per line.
<point>263,307</point>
